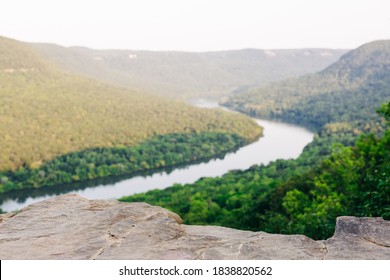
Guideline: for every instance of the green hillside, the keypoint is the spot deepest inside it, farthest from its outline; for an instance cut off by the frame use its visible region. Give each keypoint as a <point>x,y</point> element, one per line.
<point>345,171</point>
<point>357,83</point>
<point>46,113</point>
<point>189,75</point>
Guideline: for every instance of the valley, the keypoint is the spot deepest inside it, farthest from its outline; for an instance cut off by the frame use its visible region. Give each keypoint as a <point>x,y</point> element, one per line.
<point>344,171</point>
<point>51,121</point>
<point>268,148</point>
<point>73,118</point>
<point>188,75</point>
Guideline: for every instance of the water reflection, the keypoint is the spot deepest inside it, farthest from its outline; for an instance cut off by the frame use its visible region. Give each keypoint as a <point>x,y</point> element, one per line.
<point>21,196</point>
<point>280,141</point>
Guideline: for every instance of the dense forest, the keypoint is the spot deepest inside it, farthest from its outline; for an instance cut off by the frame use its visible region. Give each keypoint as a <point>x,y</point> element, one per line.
<point>47,115</point>
<point>154,153</point>
<point>344,171</point>
<point>186,75</point>
<point>357,84</point>
<point>57,127</point>
<point>290,196</point>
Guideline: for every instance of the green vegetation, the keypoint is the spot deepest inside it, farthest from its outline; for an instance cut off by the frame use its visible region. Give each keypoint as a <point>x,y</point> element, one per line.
<point>56,127</point>
<point>344,171</point>
<point>46,114</point>
<point>186,75</point>
<point>358,83</point>
<point>158,152</point>
<point>42,120</point>
<point>290,196</point>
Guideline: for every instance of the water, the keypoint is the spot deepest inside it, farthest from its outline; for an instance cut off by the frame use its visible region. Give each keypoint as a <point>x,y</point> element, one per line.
<point>280,141</point>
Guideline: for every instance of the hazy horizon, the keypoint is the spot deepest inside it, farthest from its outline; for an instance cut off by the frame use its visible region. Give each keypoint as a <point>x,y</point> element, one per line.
<point>197,25</point>
<point>188,51</point>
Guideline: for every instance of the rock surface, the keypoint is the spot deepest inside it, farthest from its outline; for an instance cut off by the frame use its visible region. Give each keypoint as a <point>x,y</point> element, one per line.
<point>72,227</point>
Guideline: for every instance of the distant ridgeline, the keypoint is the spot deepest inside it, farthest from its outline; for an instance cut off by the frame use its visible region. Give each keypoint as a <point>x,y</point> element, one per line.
<point>186,75</point>
<point>57,127</point>
<point>338,97</point>
<point>344,171</point>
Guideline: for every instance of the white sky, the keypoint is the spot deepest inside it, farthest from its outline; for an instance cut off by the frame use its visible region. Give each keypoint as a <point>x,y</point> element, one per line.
<point>197,25</point>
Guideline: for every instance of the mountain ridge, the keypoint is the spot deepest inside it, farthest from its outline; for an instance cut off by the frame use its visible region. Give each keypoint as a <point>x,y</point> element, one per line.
<point>47,112</point>
<point>344,171</point>
<point>187,75</point>
<point>362,70</point>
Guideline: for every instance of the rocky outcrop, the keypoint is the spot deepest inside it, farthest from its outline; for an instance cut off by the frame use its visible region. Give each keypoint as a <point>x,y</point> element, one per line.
<point>72,227</point>
<point>360,238</point>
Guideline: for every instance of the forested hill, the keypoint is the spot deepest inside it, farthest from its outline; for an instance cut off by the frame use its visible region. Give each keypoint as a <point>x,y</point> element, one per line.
<point>358,83</point>
<point>187,75</point>
<point>19,57</point>
<point>46,113</point>
<point>345,171</point>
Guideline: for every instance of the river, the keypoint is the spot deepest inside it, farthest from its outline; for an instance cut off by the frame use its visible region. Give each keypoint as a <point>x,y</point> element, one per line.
<point>280,141</point>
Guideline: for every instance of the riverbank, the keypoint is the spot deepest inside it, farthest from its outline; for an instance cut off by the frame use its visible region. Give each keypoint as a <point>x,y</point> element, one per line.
<point>280,141</point>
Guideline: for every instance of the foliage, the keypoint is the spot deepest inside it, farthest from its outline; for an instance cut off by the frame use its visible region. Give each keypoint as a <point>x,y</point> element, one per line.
<point>57,127</point>
<point>46,113</point>
<point>289,196</point>
<point>344,171</point>
<point>158,152</point>
<point>358,83</point>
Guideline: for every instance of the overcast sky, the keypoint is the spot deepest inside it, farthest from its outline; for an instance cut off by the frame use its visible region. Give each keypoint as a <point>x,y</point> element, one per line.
<point>197,25</point>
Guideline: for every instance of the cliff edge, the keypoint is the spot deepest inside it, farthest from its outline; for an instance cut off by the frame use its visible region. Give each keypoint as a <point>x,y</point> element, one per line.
<point>72,227</point>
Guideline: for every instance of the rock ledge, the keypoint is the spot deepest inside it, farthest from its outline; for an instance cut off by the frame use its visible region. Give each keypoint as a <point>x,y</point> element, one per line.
<point>72,227</point>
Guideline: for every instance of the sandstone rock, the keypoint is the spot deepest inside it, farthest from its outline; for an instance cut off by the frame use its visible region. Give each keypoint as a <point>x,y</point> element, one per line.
<point>71,227</point>
<point>360,238</point>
